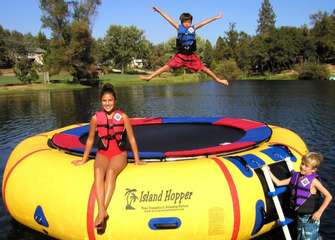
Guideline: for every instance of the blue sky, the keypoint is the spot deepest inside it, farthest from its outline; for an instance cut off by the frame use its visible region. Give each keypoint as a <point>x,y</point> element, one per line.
<point>24,15</point>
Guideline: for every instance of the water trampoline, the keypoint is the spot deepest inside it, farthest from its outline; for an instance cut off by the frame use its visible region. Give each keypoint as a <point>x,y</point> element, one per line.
<point>203,180</point>
<point>160,138</point>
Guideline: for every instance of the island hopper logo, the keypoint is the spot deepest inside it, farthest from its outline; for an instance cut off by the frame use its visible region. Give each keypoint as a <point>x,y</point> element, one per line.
<point>168,197</point>
<point>131,198</point>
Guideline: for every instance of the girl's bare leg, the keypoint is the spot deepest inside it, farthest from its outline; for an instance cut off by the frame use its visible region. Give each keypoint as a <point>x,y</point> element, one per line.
<point>100,170</point>
<point>115,166</point>
<point>165,68</point>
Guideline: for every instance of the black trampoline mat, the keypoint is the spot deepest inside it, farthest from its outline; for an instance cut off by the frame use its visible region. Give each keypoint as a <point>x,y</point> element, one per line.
<point>180,136</point>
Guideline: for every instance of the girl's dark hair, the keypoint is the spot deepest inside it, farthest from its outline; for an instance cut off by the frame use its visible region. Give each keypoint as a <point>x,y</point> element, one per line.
<point>107,88</point>
<point>185,17</point>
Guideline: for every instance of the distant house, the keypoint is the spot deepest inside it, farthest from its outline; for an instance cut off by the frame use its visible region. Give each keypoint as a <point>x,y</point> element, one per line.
<point>136,63</point>
<point>37,55</point>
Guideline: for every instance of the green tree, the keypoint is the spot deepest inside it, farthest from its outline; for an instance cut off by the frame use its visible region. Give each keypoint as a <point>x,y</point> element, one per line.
<point>42,41</point>
<point>323,33</point>
<point>307,46</point>
<point>14,45</point>
<point>56,17</point>
<point>284,48</point>
<point>267,18</point>
<point>201,45</point>
<point>228,69</point>
<point>25,70</point>
<point>243,52</point>
<point>80,52</point>
<point>99,51</point>
<point>123,43</point>
<point>66,52</point>
<point>259,54</point>
<point>159,54</point>
<point>220,49</point>
<point>231,39</point>
<point>5,59</point>
<point>84,10</point>
<point>208,54</point>
<point>313,71</point>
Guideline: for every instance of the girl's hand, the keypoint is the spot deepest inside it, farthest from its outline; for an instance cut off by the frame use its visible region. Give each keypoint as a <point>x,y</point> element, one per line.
<point>78,162</point>
<point>139,162</point>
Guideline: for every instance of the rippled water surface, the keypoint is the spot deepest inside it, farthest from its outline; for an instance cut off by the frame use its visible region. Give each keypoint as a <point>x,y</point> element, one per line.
<point>306,107</point>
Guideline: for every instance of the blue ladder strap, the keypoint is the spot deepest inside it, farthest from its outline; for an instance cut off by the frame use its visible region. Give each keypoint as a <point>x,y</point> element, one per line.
<point>287,221</point>
<point>278,191</point>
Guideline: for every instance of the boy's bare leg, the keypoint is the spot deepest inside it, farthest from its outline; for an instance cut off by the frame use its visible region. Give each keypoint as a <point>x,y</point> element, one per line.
<point>165,68</point>
<point>212,75</point>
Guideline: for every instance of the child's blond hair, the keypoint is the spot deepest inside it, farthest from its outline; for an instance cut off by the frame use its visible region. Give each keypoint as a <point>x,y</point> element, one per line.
<point>313,159</point>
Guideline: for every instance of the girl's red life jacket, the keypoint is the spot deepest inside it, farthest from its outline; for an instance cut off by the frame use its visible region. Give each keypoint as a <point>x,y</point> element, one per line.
<point>110,129</point>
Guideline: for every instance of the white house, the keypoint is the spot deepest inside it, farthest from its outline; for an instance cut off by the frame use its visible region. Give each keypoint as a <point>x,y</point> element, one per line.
<point>136,63</point>
<point>37,55</point>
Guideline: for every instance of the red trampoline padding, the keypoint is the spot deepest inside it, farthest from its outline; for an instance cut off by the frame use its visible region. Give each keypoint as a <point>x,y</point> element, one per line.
<point>67,141</point>
<point>239,123</point>
<point>145,121</point>
<point>210,150</point>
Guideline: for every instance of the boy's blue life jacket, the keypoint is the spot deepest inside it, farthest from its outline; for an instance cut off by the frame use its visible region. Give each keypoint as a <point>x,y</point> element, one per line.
<point>186,42</point>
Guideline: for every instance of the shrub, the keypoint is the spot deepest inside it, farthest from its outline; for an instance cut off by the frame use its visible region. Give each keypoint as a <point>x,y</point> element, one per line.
<point>313,71</point>
<point>227,69</point>
<point>25,70</point>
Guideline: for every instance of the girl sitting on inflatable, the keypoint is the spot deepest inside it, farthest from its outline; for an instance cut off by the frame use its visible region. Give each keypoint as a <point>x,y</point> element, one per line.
<point>111,125</point>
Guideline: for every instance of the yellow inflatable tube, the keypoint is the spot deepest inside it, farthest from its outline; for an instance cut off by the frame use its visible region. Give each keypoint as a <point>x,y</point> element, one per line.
<point>212,197</point>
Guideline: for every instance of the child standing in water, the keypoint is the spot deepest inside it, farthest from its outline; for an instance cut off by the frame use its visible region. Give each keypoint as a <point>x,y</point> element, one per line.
<point>305,195</point>
<point>110,124</point>
<point>186,46</point>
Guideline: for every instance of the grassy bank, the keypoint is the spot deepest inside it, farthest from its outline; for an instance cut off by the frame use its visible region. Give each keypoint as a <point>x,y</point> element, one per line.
<point>10,84</point>
<point>133,79</point>
<point>39,87</point>
<point>286,75</point>
<point>127,80</point>
<point>5,80</point>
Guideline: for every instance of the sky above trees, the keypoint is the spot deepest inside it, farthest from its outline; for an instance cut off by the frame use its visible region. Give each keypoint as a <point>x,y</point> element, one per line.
<point>24,16</point>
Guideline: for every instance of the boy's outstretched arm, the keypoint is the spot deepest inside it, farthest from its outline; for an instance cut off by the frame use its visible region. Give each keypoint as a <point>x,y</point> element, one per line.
<point>167,17</point>
<point>278,182</point>
<point>208,20</point>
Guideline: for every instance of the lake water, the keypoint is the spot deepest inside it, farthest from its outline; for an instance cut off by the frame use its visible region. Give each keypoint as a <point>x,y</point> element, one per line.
<point>306,107</point>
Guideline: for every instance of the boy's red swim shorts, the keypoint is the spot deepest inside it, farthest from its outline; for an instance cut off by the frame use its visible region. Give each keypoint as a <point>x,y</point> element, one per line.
<point>192,62</point>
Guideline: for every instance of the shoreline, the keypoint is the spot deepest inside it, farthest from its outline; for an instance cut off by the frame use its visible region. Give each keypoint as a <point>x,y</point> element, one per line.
<point>13,85</point>
<point>117,80</point>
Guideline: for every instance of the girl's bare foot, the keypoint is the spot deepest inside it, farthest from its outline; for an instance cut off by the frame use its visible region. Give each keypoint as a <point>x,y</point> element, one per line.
<point>99,220</point>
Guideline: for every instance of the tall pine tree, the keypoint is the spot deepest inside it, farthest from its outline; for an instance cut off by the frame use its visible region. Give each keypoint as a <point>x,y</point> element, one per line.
<point>267,18</point>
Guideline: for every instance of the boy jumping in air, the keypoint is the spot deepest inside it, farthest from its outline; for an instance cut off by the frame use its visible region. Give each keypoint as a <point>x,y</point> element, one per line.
<point>186,46</point>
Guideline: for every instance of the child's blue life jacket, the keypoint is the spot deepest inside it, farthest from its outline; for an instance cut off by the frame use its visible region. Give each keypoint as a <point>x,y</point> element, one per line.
<point>186,42</point>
